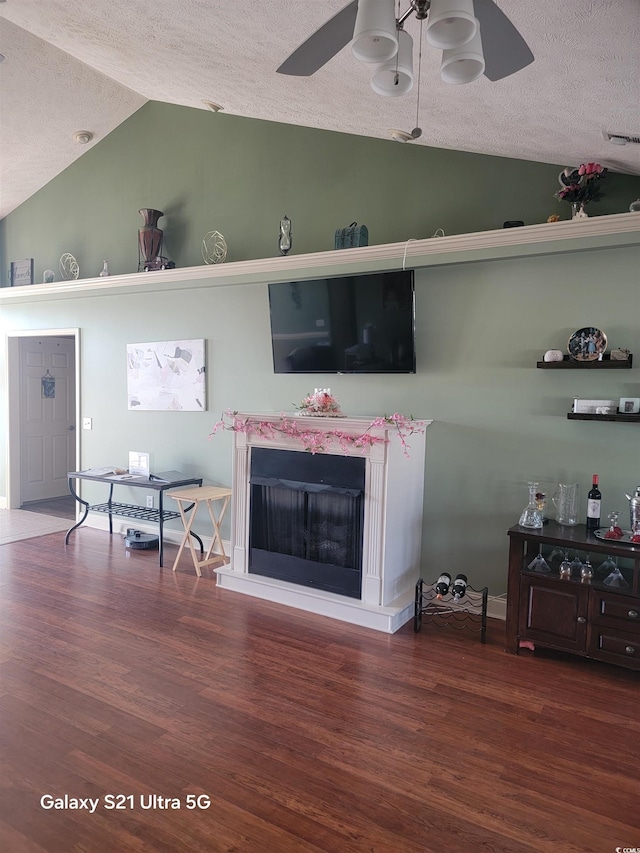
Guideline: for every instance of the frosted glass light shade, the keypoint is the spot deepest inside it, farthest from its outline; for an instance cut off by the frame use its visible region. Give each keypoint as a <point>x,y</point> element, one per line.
<point>463,64</point>
<point>375,37</point>
<point>451,23</point>
<point>395,77</point>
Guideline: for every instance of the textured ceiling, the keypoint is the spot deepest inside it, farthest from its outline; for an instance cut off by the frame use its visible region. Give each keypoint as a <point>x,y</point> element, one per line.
<point>87,66</point>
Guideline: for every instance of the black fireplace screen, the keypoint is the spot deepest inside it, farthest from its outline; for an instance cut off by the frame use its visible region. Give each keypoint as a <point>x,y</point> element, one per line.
<point>306,519</point>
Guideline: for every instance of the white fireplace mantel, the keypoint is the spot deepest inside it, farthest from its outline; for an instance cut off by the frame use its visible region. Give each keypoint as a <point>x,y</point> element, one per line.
<point>392,530</point>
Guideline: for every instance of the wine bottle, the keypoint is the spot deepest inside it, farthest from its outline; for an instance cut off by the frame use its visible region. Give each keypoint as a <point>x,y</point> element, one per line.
<point>594,503</point>
<point>459,587</point>
<point>442,584</point>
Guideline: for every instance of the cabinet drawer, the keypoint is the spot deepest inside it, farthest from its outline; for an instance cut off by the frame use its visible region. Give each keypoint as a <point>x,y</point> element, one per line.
<point>613,646</point>
<point>622,611</point>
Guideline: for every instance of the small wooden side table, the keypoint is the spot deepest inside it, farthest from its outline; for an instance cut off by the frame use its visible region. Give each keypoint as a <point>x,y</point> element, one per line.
<point>207,495</point>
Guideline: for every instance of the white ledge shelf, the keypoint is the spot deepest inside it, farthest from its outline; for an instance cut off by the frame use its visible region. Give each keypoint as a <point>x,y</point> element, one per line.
<point>598,232</point>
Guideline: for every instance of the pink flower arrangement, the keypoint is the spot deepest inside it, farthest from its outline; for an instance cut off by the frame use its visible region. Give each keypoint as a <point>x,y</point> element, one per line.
<point>581,185</point>
<point>319,440</point>
<point>321,402</point>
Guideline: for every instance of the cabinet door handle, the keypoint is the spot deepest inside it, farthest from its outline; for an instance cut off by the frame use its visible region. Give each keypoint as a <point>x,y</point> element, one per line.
<point>581,620</point>
<point>632,614</point>
<point>630,650</point>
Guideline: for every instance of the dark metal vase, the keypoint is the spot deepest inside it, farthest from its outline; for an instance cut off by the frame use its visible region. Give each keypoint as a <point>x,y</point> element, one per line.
<point>150,240</point>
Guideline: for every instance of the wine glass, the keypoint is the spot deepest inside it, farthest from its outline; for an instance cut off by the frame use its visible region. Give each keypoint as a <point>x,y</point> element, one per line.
<point>557,552</point>
<point>565,566</point>
<point>539,564</point>
<point>576,564</point>
<point>615,579</point>
<point>606,566</point>
<point>614,531</point>
<point>586,572</point>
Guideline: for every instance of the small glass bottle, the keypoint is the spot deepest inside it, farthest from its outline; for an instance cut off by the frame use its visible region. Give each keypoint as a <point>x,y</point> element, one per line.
<point>531,515</point>
<point>105,269</point>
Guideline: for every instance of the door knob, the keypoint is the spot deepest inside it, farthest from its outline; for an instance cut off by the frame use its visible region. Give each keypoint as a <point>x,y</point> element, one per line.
<point>72,428</point>
<point>581,620</point>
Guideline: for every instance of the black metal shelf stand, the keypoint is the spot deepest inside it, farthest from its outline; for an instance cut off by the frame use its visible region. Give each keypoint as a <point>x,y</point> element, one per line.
<point>126,510</point>
<point>469,612</point>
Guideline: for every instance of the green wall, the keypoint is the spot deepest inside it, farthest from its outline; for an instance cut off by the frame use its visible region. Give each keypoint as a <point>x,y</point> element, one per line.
<point>481,326</point>
<point>239,176</point>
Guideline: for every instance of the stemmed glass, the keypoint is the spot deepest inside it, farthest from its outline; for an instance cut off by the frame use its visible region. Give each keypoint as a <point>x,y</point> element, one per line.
<point>539,564</point>
<point>565,566</point>
<point>576,564</point>
<point>615,578</point>
<point>557,552</point>
<point>586,572</point>
<point>614,531</point>
<point>607,566</point>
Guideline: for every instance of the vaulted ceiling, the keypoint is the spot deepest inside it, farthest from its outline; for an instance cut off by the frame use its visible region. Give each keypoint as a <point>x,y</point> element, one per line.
<point>71,66</point>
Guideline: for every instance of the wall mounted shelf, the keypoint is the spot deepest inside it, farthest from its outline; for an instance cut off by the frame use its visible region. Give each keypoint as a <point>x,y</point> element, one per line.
<point>618,230</point>
<point>620,418</point>
<point>568,363</point>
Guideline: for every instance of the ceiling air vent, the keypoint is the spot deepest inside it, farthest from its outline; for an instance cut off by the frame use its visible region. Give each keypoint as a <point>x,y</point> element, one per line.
<point>622,138</point>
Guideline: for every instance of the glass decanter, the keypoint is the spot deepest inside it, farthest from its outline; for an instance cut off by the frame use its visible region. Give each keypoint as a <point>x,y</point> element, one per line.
<point>532,515</point>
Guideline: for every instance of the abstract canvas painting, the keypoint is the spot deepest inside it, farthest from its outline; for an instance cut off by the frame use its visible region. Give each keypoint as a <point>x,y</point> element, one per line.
<point>166,376</point>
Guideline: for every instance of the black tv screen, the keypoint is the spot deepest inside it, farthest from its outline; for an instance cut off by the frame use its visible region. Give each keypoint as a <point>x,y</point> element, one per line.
<point>348,324</point>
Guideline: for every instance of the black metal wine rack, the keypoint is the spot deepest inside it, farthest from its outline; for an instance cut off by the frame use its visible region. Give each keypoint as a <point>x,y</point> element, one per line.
<point>469,612</point>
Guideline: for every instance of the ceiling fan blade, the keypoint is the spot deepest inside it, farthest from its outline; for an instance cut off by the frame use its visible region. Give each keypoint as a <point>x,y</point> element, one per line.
<point>323,45</point>
<point>505,51</point>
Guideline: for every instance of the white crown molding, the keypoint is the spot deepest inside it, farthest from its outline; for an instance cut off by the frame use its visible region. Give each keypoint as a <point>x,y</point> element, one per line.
<point>615,231</point>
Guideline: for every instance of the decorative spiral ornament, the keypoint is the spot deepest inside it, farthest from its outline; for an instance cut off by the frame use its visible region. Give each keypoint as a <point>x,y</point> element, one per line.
<point>69,268</point>
<point>214,248</point>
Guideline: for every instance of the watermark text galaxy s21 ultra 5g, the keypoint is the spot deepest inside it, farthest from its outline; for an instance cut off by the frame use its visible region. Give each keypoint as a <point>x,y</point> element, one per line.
<point>121,802</point>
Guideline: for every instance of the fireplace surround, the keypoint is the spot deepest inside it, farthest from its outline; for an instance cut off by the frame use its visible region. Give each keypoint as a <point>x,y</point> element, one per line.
<point>337,533</point>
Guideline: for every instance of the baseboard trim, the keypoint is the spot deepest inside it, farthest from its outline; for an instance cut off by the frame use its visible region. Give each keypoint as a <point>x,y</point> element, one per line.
<point>120,526</point>
<point>497,607</point>
<point>496,604</point>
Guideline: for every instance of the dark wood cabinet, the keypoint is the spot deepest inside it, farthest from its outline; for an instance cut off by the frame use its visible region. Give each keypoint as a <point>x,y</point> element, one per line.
<point>554,614</point>
<point>572,614</point>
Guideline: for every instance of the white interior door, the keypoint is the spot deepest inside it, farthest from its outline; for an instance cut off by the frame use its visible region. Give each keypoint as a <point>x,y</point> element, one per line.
<point>47,416</point>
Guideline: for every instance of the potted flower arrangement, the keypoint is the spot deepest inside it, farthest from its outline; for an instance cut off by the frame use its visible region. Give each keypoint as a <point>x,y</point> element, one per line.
<point>321,403</point>
<point>580,186</point>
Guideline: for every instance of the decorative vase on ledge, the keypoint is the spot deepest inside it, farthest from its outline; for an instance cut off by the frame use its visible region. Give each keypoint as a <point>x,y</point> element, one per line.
<point>150,240</point>
<point>578,210</point>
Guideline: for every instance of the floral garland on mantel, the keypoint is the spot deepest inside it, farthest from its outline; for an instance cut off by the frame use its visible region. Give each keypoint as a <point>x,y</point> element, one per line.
<point>318,440</point>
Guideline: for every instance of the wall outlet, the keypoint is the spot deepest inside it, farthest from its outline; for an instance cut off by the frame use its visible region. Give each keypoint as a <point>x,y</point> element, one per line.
<point>87,423</point>
<point>149,501</point>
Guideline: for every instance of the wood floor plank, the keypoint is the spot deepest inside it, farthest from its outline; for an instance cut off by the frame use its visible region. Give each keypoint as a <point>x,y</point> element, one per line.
<point>306,735</point>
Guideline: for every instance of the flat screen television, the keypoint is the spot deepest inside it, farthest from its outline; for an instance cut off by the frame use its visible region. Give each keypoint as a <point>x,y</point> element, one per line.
<point>346,324</point>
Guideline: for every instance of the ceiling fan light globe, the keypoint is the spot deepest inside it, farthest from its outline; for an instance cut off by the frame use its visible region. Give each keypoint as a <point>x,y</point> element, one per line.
<point>375,36</point>
<point>463,64</point>
<point>451,23</point>
<point>394,78</point>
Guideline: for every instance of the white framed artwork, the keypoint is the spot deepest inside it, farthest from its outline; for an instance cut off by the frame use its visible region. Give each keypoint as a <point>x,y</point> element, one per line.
<point>166,376</point>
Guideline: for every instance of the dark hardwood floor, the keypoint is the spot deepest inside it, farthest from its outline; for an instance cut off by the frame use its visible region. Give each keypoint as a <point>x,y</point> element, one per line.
<point>300,734</point>
<point>64,507</point>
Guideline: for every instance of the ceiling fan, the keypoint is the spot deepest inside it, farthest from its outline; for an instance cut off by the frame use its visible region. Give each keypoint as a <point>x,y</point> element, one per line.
<point>378,37</point>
